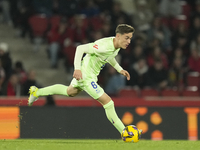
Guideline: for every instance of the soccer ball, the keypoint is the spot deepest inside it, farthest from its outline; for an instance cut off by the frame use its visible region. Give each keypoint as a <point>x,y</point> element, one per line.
<point>131,134</point>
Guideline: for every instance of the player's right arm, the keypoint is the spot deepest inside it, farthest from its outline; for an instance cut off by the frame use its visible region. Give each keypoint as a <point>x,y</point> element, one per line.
<point>80,50</point>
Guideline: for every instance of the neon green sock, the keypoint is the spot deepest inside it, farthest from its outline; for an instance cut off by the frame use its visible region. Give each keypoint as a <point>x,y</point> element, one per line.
<point>57,89</point>
<point>112,116</point>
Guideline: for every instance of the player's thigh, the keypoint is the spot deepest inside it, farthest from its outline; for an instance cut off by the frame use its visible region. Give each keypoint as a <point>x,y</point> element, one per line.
<point>72,91</point>
<point>104,99</point>
<point>93,89</point>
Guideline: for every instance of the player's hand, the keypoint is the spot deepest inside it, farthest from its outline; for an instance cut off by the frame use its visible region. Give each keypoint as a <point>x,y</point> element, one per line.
<point>125,73</point>
<point>77,74</point>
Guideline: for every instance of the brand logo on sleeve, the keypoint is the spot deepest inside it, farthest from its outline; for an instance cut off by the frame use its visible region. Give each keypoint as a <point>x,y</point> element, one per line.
<point>96,46</point>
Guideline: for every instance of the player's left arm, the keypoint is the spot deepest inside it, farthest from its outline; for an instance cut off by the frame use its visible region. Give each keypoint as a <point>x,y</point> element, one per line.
<point>119,69</point>
<point>126,74</point>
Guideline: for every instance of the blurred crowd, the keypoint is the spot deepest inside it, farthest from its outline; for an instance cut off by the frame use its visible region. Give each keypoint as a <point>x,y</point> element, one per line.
<point>164,48</point>
<point>15,80</point>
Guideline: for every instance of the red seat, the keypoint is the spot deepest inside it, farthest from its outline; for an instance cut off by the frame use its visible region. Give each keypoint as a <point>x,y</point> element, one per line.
<point>170,92</point>
<point>128,92</point>
<point>186,9</point>
<point>180,20</point>
<point>79,20</point>
<point>191,91</point>
<point>149,92</point>
<point>177,21</point>
<point>39,24</point>
<point>193,79</point>
<point>54,21</point>
<point>96,22</point>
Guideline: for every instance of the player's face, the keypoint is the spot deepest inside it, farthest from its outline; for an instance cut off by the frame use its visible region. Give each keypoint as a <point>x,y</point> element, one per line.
<point>125,40</point>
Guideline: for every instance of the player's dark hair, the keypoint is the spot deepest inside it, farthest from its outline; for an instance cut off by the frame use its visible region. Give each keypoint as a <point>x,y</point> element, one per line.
<point>124,28</point>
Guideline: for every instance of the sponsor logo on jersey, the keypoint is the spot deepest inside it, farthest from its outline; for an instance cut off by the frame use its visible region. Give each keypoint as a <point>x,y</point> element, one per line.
<point>96,46</point>
<point>112,121</point>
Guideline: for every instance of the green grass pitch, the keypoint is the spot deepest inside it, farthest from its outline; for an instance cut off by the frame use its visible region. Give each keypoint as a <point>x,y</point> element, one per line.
<point>72,144</point>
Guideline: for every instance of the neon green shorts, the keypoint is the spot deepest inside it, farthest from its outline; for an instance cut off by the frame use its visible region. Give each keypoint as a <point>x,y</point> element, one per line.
<point>88,85</point>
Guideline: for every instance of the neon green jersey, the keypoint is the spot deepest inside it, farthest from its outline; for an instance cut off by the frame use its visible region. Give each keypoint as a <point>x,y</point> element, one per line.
<point>100,52</point>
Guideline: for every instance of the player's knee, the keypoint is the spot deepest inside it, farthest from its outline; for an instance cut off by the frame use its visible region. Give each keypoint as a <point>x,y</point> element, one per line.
<point>71,91</point>
<point>72,94</point>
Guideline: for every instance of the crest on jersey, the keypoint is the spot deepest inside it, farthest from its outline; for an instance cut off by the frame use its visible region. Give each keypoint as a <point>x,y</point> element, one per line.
<point>96,46</point>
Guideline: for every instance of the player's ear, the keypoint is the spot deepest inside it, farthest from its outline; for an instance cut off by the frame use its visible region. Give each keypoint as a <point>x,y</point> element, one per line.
<point>118,35</point>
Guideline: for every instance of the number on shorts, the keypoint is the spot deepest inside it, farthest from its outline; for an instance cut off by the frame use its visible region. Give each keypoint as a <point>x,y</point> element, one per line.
<point>93,85</point>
